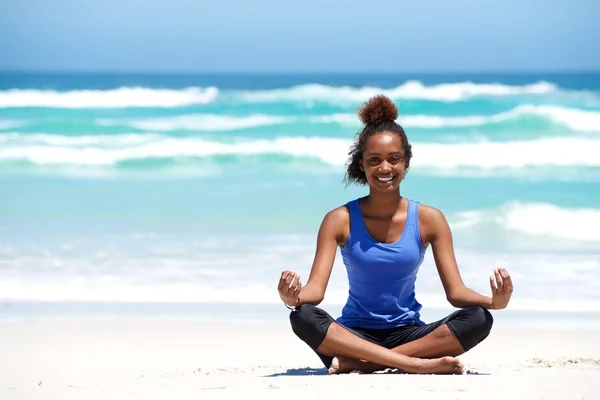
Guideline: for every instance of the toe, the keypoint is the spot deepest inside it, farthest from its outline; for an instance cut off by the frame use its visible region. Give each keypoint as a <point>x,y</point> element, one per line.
<point>459,367</point>
<point>335,366</point>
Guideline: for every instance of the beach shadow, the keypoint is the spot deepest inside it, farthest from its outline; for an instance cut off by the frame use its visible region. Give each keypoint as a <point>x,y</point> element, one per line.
<point>398,372</point>
<point>299,372</point>
<point>476,373</point>
<point>323,371</point>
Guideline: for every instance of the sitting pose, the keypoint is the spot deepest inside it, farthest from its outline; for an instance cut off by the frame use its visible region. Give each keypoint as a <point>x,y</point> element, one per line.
<point>383,238</point>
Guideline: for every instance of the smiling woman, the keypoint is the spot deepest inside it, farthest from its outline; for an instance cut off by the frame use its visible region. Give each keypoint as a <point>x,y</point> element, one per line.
<point>379,115</point>
<point>383,239</point>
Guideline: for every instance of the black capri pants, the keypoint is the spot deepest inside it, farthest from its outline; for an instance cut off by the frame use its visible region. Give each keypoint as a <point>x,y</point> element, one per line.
<point>469,325</point>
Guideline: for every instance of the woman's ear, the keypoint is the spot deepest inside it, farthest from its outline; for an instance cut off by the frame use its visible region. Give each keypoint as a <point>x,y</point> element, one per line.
<point>360,165</point>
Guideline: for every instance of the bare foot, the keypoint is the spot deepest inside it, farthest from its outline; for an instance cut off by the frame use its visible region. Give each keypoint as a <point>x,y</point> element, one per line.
<point>443,365</point>
<point>335,366</point>
<point>343,365</point>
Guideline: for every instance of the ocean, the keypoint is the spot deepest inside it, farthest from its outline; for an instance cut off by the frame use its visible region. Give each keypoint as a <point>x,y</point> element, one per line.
<point>188,194</point>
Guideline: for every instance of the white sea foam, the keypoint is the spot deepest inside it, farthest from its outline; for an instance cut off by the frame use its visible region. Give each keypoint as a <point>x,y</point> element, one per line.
<point>536,219</point>
<point>149,97</point>
<point>201,122</point>
<point>114,98</point>
<point>409,90</point>
<point>41,149</point>
<point>125,139</point>
<point>90,290</point>
<point>170,270</point>
<point>553,152</point>
<point>574,119</point>
<point>46,149</point>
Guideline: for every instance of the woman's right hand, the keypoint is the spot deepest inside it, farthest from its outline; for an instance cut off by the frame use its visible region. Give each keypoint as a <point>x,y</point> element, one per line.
<point>289,287</point>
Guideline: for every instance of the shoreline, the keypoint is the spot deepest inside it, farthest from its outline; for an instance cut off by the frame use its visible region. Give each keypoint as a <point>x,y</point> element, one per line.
<point>256,313</point>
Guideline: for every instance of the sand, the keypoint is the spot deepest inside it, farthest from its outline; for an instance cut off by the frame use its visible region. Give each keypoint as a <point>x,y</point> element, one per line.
<point>147,359</point>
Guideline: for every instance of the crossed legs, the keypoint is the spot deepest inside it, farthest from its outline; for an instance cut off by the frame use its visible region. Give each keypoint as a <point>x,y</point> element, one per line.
<point>420,349</point>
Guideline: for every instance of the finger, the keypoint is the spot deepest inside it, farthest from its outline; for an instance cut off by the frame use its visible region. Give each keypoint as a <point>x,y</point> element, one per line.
<point>504,276</point>
<point>289,285</point>
<point>282,280</point>
<point>291,275</point>
<point>507,280</point>
<point>297,287</point>
<point>296,284</point>
<point>503,280</point>
<point>296,293</point>
<point>498,278</point>
<point>295,279</point>
<point>289,278</point>
<point>493,283</point>
<point>285,279</point>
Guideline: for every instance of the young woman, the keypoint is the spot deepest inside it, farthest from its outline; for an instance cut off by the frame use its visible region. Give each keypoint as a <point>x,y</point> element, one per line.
<point>383,238</point>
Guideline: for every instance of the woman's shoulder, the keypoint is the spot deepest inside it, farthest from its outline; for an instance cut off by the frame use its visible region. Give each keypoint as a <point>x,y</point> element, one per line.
<point>338,215</point>
<point>432,222</point>
<point>336,224</point>
<point>429,214</point>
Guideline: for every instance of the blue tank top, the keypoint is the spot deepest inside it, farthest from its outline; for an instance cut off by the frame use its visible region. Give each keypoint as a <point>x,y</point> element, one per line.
<point>382,276</point>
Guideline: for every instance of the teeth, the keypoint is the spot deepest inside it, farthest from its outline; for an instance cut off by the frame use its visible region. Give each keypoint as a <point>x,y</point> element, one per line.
<point>385,179</point>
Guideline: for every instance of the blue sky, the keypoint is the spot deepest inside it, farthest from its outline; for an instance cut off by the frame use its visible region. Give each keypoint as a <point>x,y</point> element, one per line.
<point>307,35</point>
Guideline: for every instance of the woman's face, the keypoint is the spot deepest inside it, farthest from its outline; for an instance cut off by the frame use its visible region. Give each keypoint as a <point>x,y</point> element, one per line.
<point>383,161</point>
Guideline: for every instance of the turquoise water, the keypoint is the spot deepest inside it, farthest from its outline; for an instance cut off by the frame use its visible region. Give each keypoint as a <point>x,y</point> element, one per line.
<point>202,188</point>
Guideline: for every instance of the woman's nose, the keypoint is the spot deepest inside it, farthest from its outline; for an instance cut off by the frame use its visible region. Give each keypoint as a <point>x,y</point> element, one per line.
<point>385,166</point>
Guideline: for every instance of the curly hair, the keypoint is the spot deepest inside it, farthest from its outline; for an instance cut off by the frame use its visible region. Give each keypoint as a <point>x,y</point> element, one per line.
<point>379,115</point>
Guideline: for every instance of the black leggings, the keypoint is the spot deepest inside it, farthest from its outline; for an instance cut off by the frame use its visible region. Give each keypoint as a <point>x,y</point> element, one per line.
<point>470,326</point>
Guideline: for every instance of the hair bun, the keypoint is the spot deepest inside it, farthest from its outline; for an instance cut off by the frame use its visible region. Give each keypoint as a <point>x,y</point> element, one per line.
<point>377,110</point>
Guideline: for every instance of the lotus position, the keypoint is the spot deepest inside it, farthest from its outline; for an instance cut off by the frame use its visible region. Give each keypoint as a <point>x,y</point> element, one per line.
<point>383,238</point>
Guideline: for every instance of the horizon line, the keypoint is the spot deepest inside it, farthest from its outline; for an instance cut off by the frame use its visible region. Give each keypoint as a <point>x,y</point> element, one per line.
<point>297,72</point>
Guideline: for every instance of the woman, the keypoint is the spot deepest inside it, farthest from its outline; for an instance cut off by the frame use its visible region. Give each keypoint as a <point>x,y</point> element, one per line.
<point>383,238</point>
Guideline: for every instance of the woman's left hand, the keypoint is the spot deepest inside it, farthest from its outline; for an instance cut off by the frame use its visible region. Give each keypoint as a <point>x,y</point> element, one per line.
<point>502,288</point>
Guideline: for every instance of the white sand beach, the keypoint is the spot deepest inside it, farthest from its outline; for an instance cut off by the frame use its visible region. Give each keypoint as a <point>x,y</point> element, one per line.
<point>145,359</point>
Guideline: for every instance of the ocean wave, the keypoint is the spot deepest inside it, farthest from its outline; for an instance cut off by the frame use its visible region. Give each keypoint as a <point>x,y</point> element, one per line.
<point>201,122</point>
<point>113,289</point>
<point>141,265</point>
<point>574,119</point>
<point>44,149</point>
<point>548,152</point>
<point>148,97</point>
<point>105,141</point>
<point>158,268</point>
<point>535,219</point>
<point>115,98</point>
<point>447,92</point>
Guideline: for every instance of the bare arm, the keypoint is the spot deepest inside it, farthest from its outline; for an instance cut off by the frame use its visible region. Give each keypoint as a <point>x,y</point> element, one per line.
<point>331,232</point>
<point>437,231</point>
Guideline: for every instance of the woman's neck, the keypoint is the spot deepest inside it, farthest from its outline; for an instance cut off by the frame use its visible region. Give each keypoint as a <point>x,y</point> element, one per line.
<point>384,204</point>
